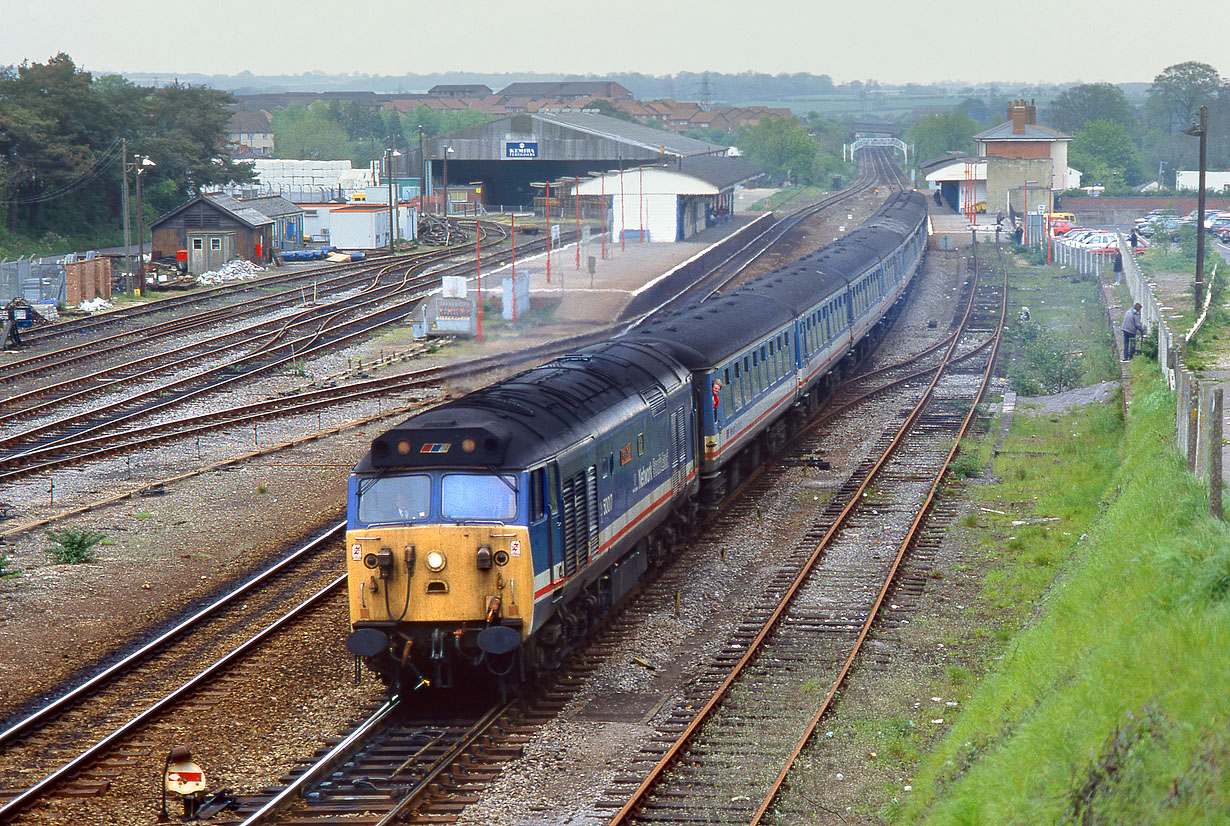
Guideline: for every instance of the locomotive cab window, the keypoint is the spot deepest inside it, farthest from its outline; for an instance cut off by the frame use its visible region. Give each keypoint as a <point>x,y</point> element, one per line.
<point>470,498</point>
<point>394,499</point>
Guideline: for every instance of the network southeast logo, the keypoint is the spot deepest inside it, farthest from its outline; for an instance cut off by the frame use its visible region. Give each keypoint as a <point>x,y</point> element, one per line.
<point>521,149</point>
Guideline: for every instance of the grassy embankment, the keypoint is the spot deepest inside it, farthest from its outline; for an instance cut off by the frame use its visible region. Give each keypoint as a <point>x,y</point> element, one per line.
<point>1110,704</point>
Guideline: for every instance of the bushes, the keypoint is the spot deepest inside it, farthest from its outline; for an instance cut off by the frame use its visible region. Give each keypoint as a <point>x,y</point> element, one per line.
<point>1044,367</point>
<point>73,545</point>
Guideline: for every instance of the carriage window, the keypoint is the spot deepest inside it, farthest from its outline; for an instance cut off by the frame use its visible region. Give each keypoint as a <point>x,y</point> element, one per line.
<point>394,499</point>
<point>478,498</point>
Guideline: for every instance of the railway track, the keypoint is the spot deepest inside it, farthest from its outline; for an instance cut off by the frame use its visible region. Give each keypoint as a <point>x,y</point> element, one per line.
<point>414,778</point>
<point>42,751</point>
<point>761,699</point>
<point>388,283</point>
<point>335,276</point>
<point>460,786</point>
<point>127,407</point>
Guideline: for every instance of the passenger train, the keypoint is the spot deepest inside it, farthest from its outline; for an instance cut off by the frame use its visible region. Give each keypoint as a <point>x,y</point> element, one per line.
<point>487,535</point>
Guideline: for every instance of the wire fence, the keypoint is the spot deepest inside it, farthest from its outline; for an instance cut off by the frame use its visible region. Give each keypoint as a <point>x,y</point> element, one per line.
<point>33,280</point>
<point>1198,403</point>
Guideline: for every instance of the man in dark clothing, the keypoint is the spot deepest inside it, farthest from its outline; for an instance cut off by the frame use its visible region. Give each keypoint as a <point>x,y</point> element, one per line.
<point>938,202</point>
<point>1118,266</point>
<point>1132,326</point>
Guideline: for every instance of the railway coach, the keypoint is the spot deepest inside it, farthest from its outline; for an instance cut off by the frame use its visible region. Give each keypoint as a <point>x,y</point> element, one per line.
<point>490,533</point>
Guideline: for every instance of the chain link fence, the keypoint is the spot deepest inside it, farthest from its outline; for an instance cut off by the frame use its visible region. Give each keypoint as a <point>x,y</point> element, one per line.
<point>33,280</point>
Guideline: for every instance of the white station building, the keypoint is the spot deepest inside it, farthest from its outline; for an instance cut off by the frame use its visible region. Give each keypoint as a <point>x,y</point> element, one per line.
<point>666,202</point>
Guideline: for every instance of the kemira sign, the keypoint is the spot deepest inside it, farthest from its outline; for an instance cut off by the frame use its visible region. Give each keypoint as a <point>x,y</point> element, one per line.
<point>521,150</point>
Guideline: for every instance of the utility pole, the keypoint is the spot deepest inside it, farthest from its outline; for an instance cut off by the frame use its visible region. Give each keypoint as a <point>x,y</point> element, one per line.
<point>127,217</point>
<point>140,233</point>
<point>1202,131</point>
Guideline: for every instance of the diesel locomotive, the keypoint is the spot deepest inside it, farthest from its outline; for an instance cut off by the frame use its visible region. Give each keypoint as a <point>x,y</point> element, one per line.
<point>487,535</point>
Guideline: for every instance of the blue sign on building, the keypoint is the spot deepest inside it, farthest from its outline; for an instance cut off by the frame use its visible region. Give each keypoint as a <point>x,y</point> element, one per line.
<point>521,150</point>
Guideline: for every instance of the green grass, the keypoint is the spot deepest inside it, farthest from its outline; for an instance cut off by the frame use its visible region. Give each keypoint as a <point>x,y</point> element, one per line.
<point>1111,706</point>
<point>789,198</point>
<point>1065,343</point>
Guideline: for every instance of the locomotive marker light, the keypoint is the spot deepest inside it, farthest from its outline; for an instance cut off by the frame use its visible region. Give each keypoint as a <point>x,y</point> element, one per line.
<point>185,778</point>
<point>436,561</point>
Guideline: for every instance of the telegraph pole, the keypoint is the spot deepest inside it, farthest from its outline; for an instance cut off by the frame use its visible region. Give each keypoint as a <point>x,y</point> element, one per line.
<point>124,201</point>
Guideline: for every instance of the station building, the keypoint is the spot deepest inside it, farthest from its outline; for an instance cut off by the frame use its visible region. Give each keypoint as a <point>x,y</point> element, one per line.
<point>670,201</point>
<point>512,159</point>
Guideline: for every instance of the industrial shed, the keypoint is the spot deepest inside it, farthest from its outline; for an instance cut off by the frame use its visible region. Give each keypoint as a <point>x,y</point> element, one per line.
<point>287,220</point>
<point>507,156</point>
<point>668,202</point>
<point>214,229</point>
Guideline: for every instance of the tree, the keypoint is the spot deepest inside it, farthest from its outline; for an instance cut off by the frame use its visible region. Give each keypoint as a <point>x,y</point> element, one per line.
<point>1179,91</point>
<point>1089,102</point>
<point>187,138</point>
<point>940,132</point>
<point>781,147</point>
<point>1103,151</point>
<point>61,134</point>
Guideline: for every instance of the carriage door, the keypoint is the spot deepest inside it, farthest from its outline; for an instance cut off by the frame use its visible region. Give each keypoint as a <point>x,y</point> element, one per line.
<point>679,450</point>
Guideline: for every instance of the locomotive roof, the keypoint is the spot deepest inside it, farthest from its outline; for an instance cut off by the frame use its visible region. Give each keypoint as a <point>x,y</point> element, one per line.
<point>707,332</point>
<point>521,420</point>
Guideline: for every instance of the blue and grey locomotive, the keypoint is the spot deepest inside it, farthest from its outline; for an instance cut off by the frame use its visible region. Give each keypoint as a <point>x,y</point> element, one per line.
<point>489,533</point>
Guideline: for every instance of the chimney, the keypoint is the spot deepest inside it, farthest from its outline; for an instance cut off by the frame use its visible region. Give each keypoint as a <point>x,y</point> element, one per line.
<point>1018,113</point>
<point>1031,112</point>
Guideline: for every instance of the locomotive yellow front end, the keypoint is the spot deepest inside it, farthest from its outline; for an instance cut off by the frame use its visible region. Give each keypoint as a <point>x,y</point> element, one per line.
<point>441,577</point>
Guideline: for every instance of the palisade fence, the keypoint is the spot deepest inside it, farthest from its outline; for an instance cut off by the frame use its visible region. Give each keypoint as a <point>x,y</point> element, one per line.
<point>32,280</point>
<point>1198,410</point>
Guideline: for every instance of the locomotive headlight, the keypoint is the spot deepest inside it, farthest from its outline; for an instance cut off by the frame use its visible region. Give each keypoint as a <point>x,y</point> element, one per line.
<point>435,561</point>
<point>403,447</point>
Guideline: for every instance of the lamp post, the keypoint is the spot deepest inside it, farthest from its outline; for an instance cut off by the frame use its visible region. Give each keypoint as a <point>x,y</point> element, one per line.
<point>1201,131</point>
<point>140,163</point>
<point>576,194</point>
<point>448,150</point>
<point>422,173</point>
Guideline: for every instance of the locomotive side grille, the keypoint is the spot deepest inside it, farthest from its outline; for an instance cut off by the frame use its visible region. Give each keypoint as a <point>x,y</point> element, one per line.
<point>655,398</point>
<point>591,510</point>
<point>678,448</point>
<point>570,526</point>
<point>580,519</point>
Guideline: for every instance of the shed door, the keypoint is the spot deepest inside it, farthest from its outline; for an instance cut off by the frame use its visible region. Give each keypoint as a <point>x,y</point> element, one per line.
<point>197,242</point>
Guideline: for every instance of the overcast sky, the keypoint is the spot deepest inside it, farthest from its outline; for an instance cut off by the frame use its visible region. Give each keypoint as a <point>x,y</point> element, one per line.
<point>1041,42</point>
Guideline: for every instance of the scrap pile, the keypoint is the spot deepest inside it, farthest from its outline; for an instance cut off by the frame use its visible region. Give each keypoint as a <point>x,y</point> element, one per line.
<point>236,270</point>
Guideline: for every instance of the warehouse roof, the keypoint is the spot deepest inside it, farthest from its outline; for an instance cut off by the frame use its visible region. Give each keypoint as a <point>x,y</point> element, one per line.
<point>720,170</point>
<point>233,207</point>
<point>633,133</point>
<point>272,205</point>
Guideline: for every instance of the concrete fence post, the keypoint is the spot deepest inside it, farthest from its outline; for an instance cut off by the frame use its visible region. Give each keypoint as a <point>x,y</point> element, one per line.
<point>1192,397</point>
<point>1204,403</point>
<point>1215,449</point>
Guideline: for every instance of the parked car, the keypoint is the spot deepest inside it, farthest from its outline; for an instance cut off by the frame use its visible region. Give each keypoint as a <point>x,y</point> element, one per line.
<point>1167,224</point>
<point>1062,226</point>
